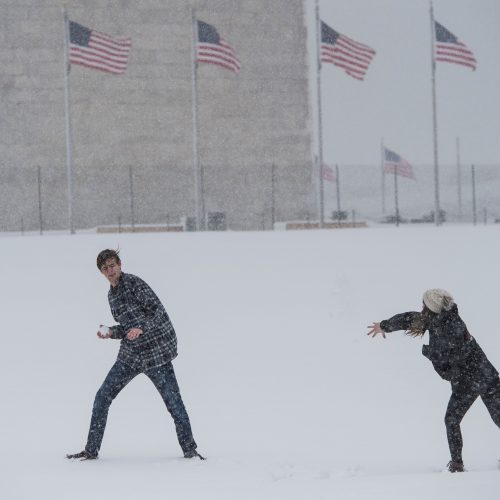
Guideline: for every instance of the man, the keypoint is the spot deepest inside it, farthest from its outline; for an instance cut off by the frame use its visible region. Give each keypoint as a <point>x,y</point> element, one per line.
<point>456,357</point>
<point>148,345</point>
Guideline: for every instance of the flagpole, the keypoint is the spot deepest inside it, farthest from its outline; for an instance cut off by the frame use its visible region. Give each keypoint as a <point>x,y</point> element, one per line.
<point>272,196</point>
<point>196,159</point>
<point>69,134</point>
<point>473,183</point>
<point>132,196</point>
<point>396,200</point>
<point>320,126</point>
<point>203,216</point>
<point>39,182</point>
<point>437,209</point>
<point>337,180</point>
<point>459,181</point>
<point>382,157</point>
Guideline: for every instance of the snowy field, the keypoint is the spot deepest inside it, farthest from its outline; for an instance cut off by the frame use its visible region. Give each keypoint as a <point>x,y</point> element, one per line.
<point>288,397</point>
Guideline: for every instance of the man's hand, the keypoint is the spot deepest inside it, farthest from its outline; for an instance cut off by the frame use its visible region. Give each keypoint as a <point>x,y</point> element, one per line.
<point>104,332</point>
<point>375,329</point>
<point>133,333</point>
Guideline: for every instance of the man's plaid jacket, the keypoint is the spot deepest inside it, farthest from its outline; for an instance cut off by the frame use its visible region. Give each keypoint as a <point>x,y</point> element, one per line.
<point>134,305</point>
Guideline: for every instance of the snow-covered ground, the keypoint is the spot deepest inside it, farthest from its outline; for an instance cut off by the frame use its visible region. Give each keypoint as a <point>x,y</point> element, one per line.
<point>288,397</point>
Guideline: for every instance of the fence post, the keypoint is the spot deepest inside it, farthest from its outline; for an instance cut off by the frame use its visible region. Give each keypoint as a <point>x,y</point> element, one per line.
<point>474,218</point>
<point>273,202</point>
<point>39,179</point>
<point>132,213</point>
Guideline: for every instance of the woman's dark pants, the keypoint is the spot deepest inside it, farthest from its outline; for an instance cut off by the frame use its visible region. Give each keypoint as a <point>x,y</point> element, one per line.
<point>464,393</point>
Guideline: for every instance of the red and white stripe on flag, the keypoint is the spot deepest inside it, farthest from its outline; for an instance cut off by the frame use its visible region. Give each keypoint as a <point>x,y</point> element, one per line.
<point>448,48</point>
<point>213,49</point>
<point>329,174</point>
<point>352,56</point>
<point>404,169</point>
<point>221,54</point>
<point>97,50</point>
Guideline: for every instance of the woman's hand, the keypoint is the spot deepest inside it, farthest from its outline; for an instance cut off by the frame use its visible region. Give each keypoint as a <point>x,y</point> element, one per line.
<point>375,329</point>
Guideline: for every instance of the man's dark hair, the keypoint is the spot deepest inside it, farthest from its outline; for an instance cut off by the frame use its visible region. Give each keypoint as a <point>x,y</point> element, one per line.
<point>107,254</point>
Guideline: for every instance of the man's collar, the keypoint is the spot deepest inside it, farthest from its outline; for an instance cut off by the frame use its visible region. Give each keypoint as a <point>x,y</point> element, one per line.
<point>115,288</point>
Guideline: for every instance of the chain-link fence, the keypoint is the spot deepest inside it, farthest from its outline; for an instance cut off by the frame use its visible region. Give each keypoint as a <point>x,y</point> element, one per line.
<point>466,194</point>
<point>250,197</point>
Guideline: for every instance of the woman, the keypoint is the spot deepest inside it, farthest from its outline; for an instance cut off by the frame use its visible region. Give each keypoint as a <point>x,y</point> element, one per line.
<point>456,357</point>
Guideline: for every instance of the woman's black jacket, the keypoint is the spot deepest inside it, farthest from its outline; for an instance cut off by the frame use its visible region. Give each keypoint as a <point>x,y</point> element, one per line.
<point>454,353</point>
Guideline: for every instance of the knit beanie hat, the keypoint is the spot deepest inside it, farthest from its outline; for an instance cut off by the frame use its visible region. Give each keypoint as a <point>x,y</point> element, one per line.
<point>437,300</point>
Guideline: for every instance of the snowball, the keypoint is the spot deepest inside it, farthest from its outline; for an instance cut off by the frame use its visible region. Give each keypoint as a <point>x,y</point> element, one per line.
<point>103,329</point>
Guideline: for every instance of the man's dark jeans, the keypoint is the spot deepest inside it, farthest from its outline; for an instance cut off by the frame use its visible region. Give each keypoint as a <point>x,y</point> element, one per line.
<point>119,376</point>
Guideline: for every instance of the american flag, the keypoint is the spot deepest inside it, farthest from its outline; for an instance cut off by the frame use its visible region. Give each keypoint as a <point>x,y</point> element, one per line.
<point>394,164</point>
<point>97,50</point>
<point>329,174</point>
<point>448,48</point>
<point>338,49</point>
<point>213,49</point>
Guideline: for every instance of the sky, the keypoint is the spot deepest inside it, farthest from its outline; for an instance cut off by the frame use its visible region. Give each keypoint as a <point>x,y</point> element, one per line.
<point>288,397</point>
<point>394,102</point>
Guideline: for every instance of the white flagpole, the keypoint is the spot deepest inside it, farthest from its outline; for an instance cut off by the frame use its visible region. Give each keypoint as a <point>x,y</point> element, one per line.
<point>437,208</point>
<point>396,200</point>
<point>337,181</point>
<point>459,181</point>
<point>69,134</point>
<point>196,159</point>
<point>473,185</point>
<point>320,129</point>
<point>382,162</point>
